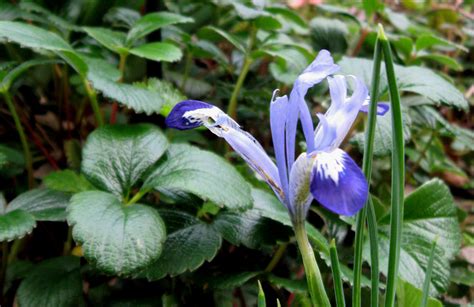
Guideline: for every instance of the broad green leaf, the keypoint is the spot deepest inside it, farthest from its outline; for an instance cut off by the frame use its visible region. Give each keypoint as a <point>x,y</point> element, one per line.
<point>288,65</point>
<point>193,87</point>
<point>250,228</point>
<point>169,95</point>
<point>409,295</point>
<point>289,15</point>
<point>371,6</point>
<point>67,181</point>
<point>334,9</point>
<point>15,224</point>
<point>403,44</point>
<point>192,170</point>
<point>158,52</point>
<point>413,79</point>
<point>116,157</point>
<point>206,49</point>
<point>427,41</point>
<point>207,33</point>
<point>31,36</point>
<point>329,34</point>
<point>53,282</point>
<point>104,76</point>
<point>59,23</point>
<point>398,20</point>
<point>112,40</point>
<point>122,17</point>
<point>12,161</point>
<point>42,204</point>
<point>152,22</point>
<point>117,239</point>
<point>190,242</point>
<point>429,212</point>
<point>39,39</point>
<point>383,134</point>
<point>291,285</point>
<point>9,78</point>
<point>442,59</point>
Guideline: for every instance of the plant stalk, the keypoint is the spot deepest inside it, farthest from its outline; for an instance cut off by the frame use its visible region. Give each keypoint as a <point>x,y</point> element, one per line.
<point>398,175</point>
<point>23,140</point>
<point>92,94</point>
<point>361,217</point>
<point>232,108</point>
<point>313,275</point>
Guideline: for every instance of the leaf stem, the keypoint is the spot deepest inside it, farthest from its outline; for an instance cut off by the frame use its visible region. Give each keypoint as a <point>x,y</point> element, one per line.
<point>232,108</point>
<point>122,63</point>
<point>137,197</point>
<point>92,94</point>
<point>429,270</point>
<point>23,140</point>
<point>336,274</point>
<point>276,258</point>
<point>313,275</point>
<point>398,175</point>
<point>361,217</point>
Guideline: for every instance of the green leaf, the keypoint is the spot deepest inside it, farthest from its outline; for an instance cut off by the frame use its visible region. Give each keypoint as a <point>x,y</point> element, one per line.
<point>42,204</point>
<point>207,33</point>
<point>104,76</point>
<point>442,59</point>
<point>122,17</point>
<point>152,22</point>
<point>67,181</point>
<point>193,88</point>
<point>117,239</point>
<point>33,37</point>
<point>189,169</point>
<point>53,282</point>
<point>116,157</point>
<point>409,295</point>
<point>249,228</point>
<point>39,39</point>
<point>290,285</point>
<point>288,15</point>
<point>329,34</point>
<point>10,77</point>
<point>426,41</point>
<point>413,79</point>
<point>169,95</point>
<point>12,161</point>
<point>371,6</point>
<point>399,20</point>
<point>383,134</point>
<point>15,224</point>
<point>112,40</point>
<point>288,65</point>
<point>158,52</point>
<point>190,242</point>
<point>429,212</point>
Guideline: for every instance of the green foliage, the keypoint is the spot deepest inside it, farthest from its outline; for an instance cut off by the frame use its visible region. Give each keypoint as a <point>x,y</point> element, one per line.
<point>117,239</point>
<point>173,216</point>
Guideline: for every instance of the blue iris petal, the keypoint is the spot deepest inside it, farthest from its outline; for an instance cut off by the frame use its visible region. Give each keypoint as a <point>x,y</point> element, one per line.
<point>338,183</point>
<point>177,120</point>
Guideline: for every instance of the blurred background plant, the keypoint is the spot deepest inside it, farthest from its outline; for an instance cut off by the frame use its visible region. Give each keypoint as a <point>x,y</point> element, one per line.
<point>154,220</point>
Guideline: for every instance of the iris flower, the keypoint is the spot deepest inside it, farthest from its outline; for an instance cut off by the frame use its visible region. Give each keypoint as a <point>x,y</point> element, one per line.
<point>324,172</point>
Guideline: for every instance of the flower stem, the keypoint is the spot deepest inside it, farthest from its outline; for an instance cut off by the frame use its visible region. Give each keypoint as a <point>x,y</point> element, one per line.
<point>122,62</point>
<point>232,108</point>
<point>92,94</point>
<point>336,274</point>
<point>23,140</point>
<point>361,217</point>
<point>398,174</point>
<point>313,275</point>
<point>276,258</point>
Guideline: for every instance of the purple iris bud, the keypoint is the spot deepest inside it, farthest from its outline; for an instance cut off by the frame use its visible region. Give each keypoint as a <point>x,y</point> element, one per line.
<point>185,115</point>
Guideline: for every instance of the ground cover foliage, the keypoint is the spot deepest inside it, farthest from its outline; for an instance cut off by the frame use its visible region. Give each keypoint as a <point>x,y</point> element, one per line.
<point>102,205</point>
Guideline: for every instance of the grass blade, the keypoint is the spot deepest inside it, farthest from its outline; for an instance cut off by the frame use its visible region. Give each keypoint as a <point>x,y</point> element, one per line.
<point>429,269</point>
<point>367,169</point>
<point>398,173</point>
<point>336,274</point>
